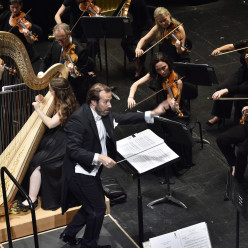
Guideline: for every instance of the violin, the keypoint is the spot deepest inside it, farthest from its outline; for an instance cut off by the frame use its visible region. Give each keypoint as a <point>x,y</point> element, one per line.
<point>21,22</point>
<point>92,9</point>
<point>12,71</point>
<point>70,56</point>
<point>173,92</point>
<point>125,8</point>
<point>174,36</point>
<point>244,117</point>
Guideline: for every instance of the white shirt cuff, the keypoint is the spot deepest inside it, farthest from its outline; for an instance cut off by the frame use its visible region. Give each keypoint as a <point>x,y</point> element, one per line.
<point>148,118</point>
<point>95,159</point>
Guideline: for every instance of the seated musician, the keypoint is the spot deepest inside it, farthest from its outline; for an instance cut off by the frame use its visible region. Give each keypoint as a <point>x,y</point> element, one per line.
<point>46,165</point>
<point>223,109</point>
<point>78,29</point>
<point>141,23</point>
<point>8,20</point>
<point>160,71</point>
<point>68,50</point>
<point>233,143</point>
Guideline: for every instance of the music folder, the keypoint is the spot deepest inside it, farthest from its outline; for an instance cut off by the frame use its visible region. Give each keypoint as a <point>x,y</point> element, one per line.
<point>145,151</point>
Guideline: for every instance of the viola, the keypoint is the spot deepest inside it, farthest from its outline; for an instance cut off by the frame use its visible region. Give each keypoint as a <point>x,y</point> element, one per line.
<point>88,6</point>
<point>174,36</point>
<point>21,22</point>
<point>12,71</point>
<point>70,56</point>
<point>173,92</point>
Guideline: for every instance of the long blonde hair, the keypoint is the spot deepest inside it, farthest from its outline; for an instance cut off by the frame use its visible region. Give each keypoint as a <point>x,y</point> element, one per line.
<point>162,11</point>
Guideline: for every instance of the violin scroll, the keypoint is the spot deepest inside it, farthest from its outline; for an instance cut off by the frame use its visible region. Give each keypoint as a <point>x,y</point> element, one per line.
<point>244,117</point>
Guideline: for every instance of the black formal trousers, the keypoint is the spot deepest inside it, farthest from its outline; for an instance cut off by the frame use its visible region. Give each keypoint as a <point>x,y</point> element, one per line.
<point>89,192</point>
<point>234,145</point>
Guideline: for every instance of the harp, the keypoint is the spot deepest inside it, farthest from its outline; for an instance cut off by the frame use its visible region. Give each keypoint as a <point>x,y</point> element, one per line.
<point>19,152</point>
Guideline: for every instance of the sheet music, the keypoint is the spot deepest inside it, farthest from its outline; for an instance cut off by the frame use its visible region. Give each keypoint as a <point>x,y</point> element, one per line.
<point>145,151</point>
<point>195,236</point>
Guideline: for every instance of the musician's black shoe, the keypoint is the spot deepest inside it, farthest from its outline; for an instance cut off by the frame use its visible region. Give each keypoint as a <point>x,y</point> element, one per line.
<point>69,239</point>
<point>104,246</point>
<point>25,208</point>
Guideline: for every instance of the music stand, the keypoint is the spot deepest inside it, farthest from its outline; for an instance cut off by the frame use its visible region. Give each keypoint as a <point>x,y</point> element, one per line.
<point>179,133</point>
<point>106,27</point>
<point>199,74</point>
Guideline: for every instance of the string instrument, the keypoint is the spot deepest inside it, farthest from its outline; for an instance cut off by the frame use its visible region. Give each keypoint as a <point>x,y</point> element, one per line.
<point>173,92</point>
<point>124,9</point>
<point>21,22</point>
<point>70,56</point>
<point>164,37</point>
<point>18,154</point>
<point>89,7</point>
<point>244,117</point>
<point>235,50</point>
<point>174,35</point>
<point>12,71</point>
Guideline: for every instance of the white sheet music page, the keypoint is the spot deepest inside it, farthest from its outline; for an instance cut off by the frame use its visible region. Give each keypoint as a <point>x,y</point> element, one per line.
<point>145,151</point>
<point>195,236</point>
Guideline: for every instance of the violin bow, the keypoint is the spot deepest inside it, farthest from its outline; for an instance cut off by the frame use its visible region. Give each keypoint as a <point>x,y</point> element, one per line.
<point>229,51</point>
<point>162,39</point>
<point>81,15</point>
<point>25,14</point>
<point>155,93</point>
<point>228,98</point>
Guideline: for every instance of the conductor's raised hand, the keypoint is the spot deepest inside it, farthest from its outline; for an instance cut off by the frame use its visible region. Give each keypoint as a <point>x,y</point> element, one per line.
<point>106,161</point>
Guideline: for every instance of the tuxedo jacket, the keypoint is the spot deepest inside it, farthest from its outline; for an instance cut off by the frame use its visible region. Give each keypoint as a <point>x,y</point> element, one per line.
<point>83,142</point>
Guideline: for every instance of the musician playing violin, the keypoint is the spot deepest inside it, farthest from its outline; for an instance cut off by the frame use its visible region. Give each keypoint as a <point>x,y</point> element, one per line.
<point>165,23</point>
<point>78,30</point>
<point>62,46</point>
<point>7,18</point>
<point>223,109</point>
<point>160,71</point>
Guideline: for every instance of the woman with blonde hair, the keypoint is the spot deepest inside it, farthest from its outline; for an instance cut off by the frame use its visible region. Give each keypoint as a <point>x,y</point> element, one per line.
<point>164,23</point>
<point>46,165</point>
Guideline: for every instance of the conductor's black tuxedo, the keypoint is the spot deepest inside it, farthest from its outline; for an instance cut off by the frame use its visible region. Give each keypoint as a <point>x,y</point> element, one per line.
<point>79,189</point>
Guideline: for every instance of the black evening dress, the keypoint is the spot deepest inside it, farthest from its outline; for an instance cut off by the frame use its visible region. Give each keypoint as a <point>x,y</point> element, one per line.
<point>49,156</point>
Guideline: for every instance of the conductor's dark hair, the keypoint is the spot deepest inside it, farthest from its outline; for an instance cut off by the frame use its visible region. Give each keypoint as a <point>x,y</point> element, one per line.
<point>94,92</point>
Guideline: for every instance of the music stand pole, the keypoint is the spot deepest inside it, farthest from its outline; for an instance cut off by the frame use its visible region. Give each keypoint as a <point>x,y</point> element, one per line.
<point>106,60</point>
<point>140,214</point>
<point>168,197</point>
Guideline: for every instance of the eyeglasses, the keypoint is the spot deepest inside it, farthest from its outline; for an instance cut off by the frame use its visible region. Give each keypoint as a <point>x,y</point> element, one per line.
<point>61,40</point>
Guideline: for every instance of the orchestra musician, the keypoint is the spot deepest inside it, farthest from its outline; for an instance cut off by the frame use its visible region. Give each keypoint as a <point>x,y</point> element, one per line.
<point>141,23</point>
<point>64,44</point>
<point>78,30</point>
<point>160,69</point>
<point>164,22</point>
<point>91,145</point>
<point>7,20</point>
<point>222,109</point>
<point>46,165</point>
<point>233,143</point>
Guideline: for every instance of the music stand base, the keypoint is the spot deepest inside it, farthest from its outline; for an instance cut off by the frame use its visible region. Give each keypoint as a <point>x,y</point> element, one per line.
<point>167,198</point>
